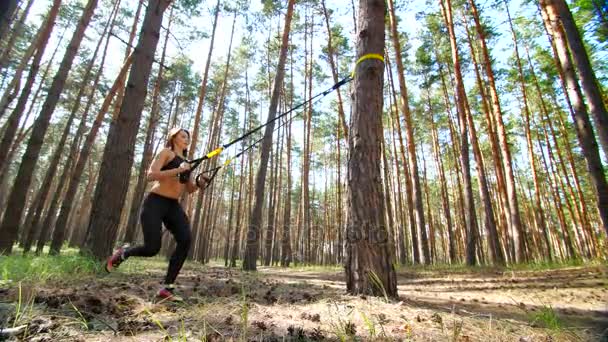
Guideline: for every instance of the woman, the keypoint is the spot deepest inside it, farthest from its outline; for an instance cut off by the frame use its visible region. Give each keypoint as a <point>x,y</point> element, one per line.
<point>160,206</point>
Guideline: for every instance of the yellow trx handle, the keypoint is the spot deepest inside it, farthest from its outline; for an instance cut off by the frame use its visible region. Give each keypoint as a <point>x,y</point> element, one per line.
<point>214,152</point>
<point>366,57</point>
<point>227,162</point>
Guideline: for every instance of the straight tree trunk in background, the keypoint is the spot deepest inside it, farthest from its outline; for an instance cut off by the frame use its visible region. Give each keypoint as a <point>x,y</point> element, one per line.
<point>396,126</point>
<point>242,207</point>
<point>469,204</point>
<point>445,199</point>
<point>286,239</point>
<point>253,241</point>
<point>229,223</point>
<point>17,32</point>
<point>514,217</point>
<point>334,70</point>
<point>369,258</point>
<point>16,200</point>
<point>588,81</point>
<point>539,212</point>
<point>584,130</point>
<point>51,169</point>
<point>115,171</point>
<point>408,179</point>
<point>494,243</point>
<point>13,120</point>
<point>20,137</point>
<point>14,86</point>
<point>411,143</point>
<point>59,233</point>
<point>85,152</point>
<point>147,156</point>
<point>286,252</point>
<point>7,11</point>
<point>203,88</point>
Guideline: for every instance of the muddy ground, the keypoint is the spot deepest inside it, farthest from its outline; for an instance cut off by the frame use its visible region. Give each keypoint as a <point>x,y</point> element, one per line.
<point>308,304</point>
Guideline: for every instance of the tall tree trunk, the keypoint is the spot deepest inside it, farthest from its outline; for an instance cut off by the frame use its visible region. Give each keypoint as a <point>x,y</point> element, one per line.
<point>445,199</point>
<point>253,241</point>
<point>115,171</point>
<point>20,136</point>
<point>242,207</point>
<point>514,215</point>
<point>286,239</point>
<point>230,220</point>
<point>17,32</point>
<point>561,15</point>
<point>334,70</point>
<point>584,131</point>
<point>16,201</point>
<point>394,120</point>
<point>147,156</point>
<point>470,217</point>
<point>411,143</point>
<point>68,201</point>
<point>203,88</point>
<point>51,169</point>
<point>7,11</point>
<point>59,233</point>
<point>408,181</point>
<point>13,120</point>
<point>539,211</point>
<point>369,261</point>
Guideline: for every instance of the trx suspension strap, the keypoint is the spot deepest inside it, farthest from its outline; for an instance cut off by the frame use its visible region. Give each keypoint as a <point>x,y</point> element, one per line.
<point>196,162</point>
<point>215,170</point>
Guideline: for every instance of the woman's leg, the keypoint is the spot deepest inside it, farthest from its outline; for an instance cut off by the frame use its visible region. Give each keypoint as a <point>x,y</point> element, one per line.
<point>154,208</point>
<point>176,222</point>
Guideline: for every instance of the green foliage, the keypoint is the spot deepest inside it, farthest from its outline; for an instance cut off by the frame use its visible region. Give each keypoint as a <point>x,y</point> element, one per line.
<point>547,318</point>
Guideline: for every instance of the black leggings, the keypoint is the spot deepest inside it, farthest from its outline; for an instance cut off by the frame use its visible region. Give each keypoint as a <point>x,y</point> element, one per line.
<point>157,210</point>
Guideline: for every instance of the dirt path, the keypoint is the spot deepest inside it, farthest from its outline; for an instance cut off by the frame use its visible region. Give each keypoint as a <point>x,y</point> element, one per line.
<point>275,305</point>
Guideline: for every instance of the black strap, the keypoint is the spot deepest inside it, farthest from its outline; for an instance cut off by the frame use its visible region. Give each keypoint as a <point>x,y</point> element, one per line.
<point>196,162</point>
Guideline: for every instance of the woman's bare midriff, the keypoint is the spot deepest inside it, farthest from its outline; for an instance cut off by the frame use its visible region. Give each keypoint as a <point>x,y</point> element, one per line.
<point>170,187</point>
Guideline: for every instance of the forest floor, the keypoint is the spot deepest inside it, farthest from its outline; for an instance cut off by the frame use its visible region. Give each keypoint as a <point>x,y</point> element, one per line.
<point>308,303</point>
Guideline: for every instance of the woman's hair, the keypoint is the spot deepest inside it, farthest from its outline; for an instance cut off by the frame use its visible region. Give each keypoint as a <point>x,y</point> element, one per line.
<point>171,136</point>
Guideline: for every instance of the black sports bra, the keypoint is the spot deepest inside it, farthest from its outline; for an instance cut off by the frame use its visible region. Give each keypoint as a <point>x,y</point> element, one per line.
<point>173,164</point>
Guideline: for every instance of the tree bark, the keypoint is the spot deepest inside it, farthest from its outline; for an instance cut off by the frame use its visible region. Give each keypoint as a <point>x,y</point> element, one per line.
<point>411,143</point>
<point>591,87</point>
<point>514,217</point>
<point>253,241</point>
<point>584,131</point>
<point>369,261</point>
<point>7,11</point>
<point>469,204</point>
<point>13,120</point>
<point>115,169</point>
<point>334,71</point>
<point>147,156</point>
<point>59,233</point>
<point>30,158</point>
<point>85,152</point>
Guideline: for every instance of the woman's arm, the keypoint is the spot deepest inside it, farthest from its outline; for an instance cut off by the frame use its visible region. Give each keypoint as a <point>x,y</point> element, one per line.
<point>154,172</point>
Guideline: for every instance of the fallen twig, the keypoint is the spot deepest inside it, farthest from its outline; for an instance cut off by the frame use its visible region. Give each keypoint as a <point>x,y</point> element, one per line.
<point>5,332</point>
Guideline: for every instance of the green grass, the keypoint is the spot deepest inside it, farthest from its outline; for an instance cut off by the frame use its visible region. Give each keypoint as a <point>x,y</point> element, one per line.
<point>547,318</point>
<point>32,268</point>
<point>533,266</point>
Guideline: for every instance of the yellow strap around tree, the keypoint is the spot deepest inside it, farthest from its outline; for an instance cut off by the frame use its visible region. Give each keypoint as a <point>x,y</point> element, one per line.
<point>365,57</point>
